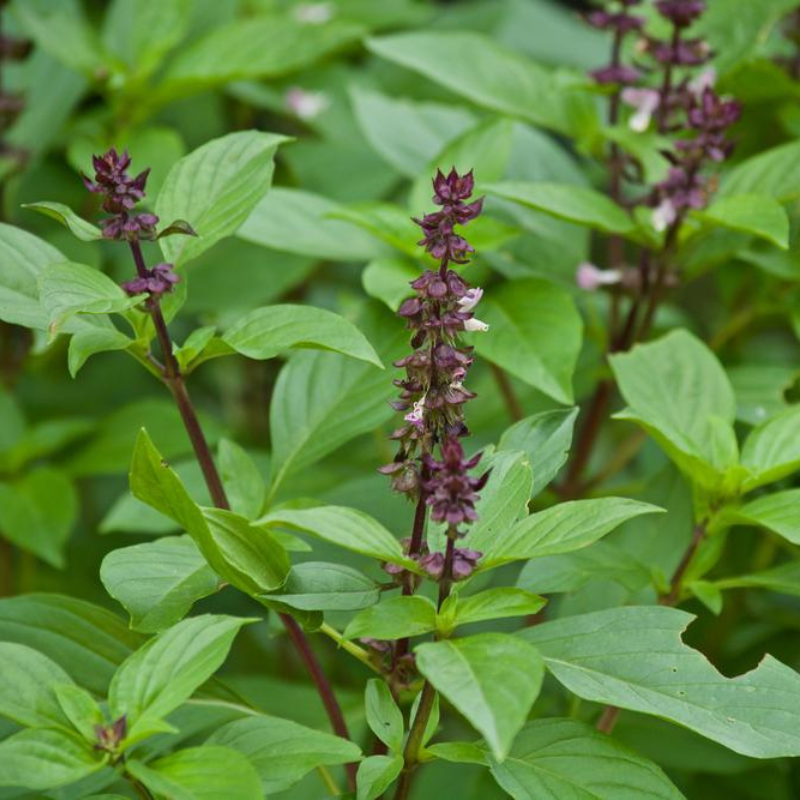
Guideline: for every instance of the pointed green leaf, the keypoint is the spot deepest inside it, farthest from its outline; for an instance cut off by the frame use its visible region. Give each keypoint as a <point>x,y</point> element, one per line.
<point>282,751</point>
<point>394,618</point>
<point>772,450</point>
<point>760,215</point>
<point>80,708</point>
<point>84,230</point>
<point>266,332</point>
<point>241,478</point>
<point>489,678</point>
<point>166,671</point>
<point>499,603</point>
<point>777,512</point>
<point>535,333</point>
<point>376,774</point>
<point>158,582</point>
<point>317,586</point>
<point>569,760</point>
<point>563,528</point>
<point>634,658</point>
<point>215,188</point>
<point>383,716</point>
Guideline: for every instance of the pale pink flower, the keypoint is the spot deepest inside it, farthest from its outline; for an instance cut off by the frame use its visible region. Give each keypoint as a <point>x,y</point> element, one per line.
<point>645,102</point>
<point>306,105</point>
<point>590,278</point>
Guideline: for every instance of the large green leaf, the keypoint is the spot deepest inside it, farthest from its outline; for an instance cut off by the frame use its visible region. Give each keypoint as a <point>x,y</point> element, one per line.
<point>236,51</point>
<point>84,230</point>
<point>777,511</point>
<point>578,204</point>
<point>45,759</point>
<point>345,527</point>
<point>317,586</point>
<point>169,668</point>
<point>563,759</point>
<point>634,658</point>
<point>266,332</point>
<point>86,641</point>
<point>751,213</point>
<point>562,528</point>
<point>322,400</point>
<point>499,603</point>
<point>546,439</point>
<point>535,333</point>
<point>678,392</point>
<point>489,678</point>
<point>253,561</point>
<point>26,691</point>
<point>486,73</point>
<point>774,172</point>
<point>281,750</point>
<point>394,618</point>
<point>214,189</point>
<point>23,257</point>
<point>772,450</point>
<point>200,773</point>
<point>158,582</point>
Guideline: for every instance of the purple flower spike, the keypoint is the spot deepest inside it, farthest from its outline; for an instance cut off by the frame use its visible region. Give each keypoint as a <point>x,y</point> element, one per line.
<point>681,13</point>
<point>155,282</point>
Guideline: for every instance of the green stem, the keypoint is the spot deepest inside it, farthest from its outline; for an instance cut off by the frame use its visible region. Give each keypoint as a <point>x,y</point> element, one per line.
<point>350,647</point>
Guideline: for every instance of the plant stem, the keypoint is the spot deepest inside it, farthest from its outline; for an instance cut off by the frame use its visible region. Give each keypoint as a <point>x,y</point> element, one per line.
<point>176,383</point>
<point>509,395</point>
<point>350,647</point>
<point>141,790</point>
<point>608,719</point>
<point>6,568</point>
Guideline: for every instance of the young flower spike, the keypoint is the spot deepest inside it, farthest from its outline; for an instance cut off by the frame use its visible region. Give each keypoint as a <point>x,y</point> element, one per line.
<point>121,193</point>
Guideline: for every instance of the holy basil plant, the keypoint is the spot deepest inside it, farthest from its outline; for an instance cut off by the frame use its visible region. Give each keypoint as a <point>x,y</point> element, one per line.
<point>486,493</point>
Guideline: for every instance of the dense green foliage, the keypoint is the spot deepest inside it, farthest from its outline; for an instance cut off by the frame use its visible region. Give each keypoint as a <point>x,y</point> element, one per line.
<point>225,605</point>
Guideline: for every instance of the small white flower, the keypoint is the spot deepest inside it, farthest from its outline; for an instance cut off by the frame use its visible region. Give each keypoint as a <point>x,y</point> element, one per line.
<point>475,325</point>
<point>590,278</point>
<point>645,102</point>
<point>306,105</point>
<point>417,413</point>
<point>314,13</point>
<point>664,215</point>
<point>470,299</point>
<point>705,80</point>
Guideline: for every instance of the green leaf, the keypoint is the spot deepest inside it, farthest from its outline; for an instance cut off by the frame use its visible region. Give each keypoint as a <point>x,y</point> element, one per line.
<point>503,501</point>
<point>235,52</point>
<point>266,332</point>
<point>376,774</point>
<point>80,708</point>
<point>499,603</point>
<point>757,214</point>
<point>241,478</point>
<point>634,658</point>
<point>394,618</point>
<point>86,641</point>
<point>777,512</point>
<point>252,560</point>
<point>346,527</point>
<point>774,173</point>
<point>383,716</point>
<point>215,188</point>
<point>406,134</point>
<point>535,333</point>
<point>486,73</point>
<point>45,759</point>
<point>546,439</point>
<point>569,760</point>
<point>158,582</point>
<point>317,586</point>
<point>84,230</point>
<point>38,512</point>
<point>295,221</point>
<point>387,280</point>
<point>141,33</point>
<point>307,422</point>
<point>784,579</point>
<point>489,678</point>
<point>772,450</point>
<point>282,751</point>
<point>570,572</point>
<point>26,691</point>
<point>169,668</point>
<point>578,204</point>
<point>678,392</point>
<point>68,289</point>
<point>200,773</point>
<point>84,344</point>
<point>562,528</point>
